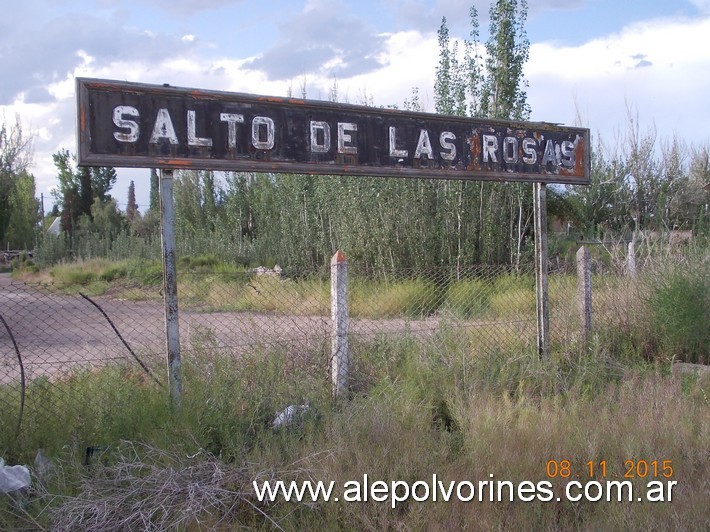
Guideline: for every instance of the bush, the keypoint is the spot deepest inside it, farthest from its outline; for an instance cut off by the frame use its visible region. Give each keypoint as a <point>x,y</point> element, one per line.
<point>24,264</point>
<point>72,275</point>
<point>680,313</point>
<point>114,272</point>
<point>200,263</point>
<point>513,302</point>
<point>148,273</point>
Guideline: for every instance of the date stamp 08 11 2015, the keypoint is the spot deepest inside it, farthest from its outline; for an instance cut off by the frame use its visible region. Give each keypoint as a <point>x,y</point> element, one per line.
<point>598,469</point>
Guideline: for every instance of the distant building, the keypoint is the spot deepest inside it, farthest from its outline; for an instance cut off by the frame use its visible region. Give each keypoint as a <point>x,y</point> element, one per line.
<point>56,227</point>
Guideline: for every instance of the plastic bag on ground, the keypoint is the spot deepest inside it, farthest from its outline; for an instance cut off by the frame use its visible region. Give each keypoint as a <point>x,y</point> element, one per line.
<point>290,415</point>
<point>13,478</point>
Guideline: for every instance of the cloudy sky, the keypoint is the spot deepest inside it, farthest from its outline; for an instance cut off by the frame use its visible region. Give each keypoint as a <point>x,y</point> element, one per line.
<point>591,61</point>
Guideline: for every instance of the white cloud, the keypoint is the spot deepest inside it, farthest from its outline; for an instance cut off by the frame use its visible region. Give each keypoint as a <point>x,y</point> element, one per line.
<point>702,5</point>
<point>664,43</point>
<point>658,68</point>
<point>408,57</point>
<point>409,60</point>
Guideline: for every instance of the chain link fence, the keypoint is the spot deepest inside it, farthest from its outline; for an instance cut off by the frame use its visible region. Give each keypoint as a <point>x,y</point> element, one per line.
<point>52,333</point>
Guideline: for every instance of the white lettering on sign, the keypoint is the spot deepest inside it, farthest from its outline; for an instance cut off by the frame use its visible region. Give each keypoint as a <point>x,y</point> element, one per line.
<point>133,128</point>
<point>549,156</point>
<point>562,154</point>
<point>510,150</point>
<point>192,138</point>
<point>262,130</point>
<point>163,128</point>
<point>568,152</point>
<point>345,139</point>
<point>232,120</point>
<point>423,145</point>
<point>394,152</point>
<point>490,147</point>
<point>445,140</point>
<point>256,128</point>
<point>529,150</point>
<point>324,129</point>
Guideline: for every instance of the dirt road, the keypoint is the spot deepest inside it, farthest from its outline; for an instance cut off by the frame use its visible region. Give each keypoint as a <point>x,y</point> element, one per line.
<point>57,332</point>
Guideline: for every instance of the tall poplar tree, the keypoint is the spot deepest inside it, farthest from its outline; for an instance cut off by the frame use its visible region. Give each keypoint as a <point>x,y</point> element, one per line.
<point>490,87</point>
<point>24,214</point>
<point>154,189</point>
<point>79,188</point>
<point>103,178</point>
<point>131,205</point>
<point>507,51</point>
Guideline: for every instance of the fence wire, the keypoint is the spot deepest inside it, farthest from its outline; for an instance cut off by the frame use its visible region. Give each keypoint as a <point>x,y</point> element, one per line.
<point>61,332</point>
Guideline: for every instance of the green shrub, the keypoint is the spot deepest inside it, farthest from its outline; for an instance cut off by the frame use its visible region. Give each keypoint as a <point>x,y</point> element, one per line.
<point>203,263</point>
<point>113,272</point>
<point>24,264</point>
<point>267,293</point>
<point>72,275</point>
<point>680,314</point>
<point>513,281</point>
<point>148,273</point>
<point>513,302</point>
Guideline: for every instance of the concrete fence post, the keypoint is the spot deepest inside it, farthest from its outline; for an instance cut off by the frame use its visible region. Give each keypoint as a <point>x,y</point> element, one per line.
<point>339,358</point>
<point>584,290</point>
<point>631,259</point>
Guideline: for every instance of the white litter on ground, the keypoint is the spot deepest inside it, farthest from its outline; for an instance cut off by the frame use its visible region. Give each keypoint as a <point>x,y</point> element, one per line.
<point>289,415</point>
<point>13,478</point>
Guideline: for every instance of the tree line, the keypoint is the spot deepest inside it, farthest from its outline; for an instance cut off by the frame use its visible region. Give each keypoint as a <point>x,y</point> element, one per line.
<point>19,209</point>
<point>298,221</point>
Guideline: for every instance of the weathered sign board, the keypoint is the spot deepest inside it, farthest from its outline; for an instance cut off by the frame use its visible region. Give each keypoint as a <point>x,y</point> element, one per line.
<point>125,124</point>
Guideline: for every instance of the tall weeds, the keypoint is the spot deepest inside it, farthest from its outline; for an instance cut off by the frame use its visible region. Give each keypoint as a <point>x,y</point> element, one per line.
<point>417,408</point>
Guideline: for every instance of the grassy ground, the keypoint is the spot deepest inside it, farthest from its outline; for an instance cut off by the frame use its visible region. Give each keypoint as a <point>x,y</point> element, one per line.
<point>415,410</point>
<point>451,405</point>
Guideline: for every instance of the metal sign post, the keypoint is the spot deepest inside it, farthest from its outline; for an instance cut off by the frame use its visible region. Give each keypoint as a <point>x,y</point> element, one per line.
<point>172,330</point>
<point>541,285</point>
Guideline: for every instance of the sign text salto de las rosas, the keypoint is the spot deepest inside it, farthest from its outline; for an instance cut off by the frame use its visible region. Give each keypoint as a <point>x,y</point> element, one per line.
<point>153,126</point>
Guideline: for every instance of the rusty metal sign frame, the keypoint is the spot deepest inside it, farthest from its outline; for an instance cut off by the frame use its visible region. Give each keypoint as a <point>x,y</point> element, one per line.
<point>125,124</point>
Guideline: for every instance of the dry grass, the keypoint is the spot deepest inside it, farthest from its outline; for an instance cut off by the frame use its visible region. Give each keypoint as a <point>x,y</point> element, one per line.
<point>647,417</point>
<point>450,409</point>
<point>145,488</point>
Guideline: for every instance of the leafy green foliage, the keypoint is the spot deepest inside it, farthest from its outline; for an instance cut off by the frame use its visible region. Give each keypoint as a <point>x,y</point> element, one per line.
<point>80,189</point>
<point>19,210</point>
<point>680,313</point>
<point>503,94</point>
<point>24,216</point>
